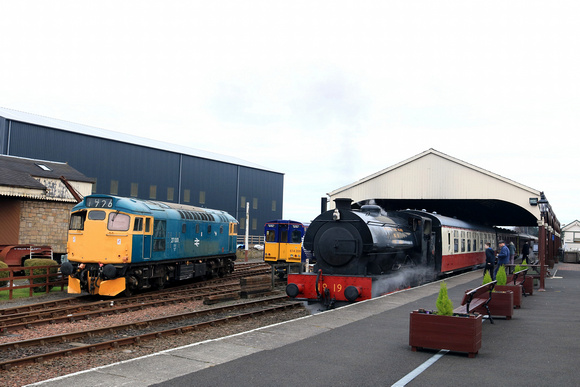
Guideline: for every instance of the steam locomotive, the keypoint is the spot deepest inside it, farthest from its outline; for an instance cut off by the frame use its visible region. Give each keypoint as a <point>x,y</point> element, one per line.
<point>355,250</point>
<point>119,245</point>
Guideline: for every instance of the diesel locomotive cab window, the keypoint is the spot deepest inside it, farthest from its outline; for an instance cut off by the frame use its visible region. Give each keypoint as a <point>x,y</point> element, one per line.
<point>270,236</point>
<point>138,225</point>
<point>118,222</point>
<point>159,235</point>
<point>77,221</point>
<point>97,215</point>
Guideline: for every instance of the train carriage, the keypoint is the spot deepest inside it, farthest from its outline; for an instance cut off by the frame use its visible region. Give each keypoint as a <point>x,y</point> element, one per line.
<point>118,244</point>
<point>283,241</point>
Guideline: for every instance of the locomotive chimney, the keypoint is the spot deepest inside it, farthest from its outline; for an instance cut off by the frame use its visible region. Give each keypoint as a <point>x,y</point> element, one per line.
<point>323,204</point>
<point>343,203</point>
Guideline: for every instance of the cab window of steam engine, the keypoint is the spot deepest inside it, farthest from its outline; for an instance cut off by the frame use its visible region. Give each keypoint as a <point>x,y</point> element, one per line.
<point>77,220</point>
<point>118,222</point>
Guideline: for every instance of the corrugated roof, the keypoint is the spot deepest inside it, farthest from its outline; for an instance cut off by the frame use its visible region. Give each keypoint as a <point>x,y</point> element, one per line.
<point>16,115</point>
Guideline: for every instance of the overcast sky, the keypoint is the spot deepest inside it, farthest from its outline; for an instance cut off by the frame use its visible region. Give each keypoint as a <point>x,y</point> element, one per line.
<point>326,92</point>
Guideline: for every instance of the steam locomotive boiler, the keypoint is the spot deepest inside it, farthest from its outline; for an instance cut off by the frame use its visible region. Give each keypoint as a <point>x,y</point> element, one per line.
<point>352,248</point>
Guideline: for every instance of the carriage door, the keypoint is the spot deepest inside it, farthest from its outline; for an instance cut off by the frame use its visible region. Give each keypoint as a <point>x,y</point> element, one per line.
<point>272,245</point>
<point>147,239</point>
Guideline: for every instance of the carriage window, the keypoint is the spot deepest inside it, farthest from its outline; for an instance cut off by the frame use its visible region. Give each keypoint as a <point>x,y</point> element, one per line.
<point>97,215</point>
<point>118,222</point>
<point>455,245</point>
<point>296,236</point>
<point>463,245</point>
<point>469,245</point>
<point>77,221</point>
<point>159,235</point>
<point>138,225</point>
<point>147,224</point>
<point>221,229</point>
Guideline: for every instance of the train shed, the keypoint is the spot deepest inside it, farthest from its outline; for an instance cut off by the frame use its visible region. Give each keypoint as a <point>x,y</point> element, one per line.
<point>133,166</point>
<point>436,182</point>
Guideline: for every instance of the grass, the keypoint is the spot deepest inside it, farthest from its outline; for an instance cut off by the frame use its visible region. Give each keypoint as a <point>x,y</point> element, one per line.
<point>25,293</point>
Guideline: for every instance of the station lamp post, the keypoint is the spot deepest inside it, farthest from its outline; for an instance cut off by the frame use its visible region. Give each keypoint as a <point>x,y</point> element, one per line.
<point>544,208</point>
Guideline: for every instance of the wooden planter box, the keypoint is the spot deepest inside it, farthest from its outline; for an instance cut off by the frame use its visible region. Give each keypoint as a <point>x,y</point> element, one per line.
<point>455,333</point>
<point>528,284</point>
<point>501,304</point>
<point>517,291</point>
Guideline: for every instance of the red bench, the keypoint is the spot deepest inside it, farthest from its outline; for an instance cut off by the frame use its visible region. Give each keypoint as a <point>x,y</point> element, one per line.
<point>478,297</point>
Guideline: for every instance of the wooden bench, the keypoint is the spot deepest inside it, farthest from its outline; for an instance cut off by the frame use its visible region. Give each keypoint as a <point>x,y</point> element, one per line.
<point>475,298</point>
<point>520,278</point>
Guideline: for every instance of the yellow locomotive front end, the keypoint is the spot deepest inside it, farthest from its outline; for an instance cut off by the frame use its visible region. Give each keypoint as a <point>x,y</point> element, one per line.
<point>100,244</point>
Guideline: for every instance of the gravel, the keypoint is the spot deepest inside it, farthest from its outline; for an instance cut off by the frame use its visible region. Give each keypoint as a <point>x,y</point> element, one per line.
<point>19,376</point>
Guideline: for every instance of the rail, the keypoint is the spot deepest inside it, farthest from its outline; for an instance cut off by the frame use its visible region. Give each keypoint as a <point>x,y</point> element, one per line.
<point>43,281</point>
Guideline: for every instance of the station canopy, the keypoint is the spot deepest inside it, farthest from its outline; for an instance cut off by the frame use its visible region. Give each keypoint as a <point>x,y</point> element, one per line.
<point>436,182</point>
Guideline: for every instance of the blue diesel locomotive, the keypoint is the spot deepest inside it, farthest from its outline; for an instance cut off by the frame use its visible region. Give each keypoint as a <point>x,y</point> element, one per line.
<point>118,244</point>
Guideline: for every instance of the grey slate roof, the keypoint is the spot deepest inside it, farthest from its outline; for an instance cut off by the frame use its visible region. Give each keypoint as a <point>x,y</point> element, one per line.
<point>19,172</point>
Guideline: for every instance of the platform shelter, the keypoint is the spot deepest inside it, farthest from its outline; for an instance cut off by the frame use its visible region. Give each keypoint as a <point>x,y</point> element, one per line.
<point>436,182</point>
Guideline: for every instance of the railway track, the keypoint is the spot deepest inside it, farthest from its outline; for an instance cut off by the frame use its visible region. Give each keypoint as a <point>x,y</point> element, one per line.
<point>48,347</point>
<point>75,308</point>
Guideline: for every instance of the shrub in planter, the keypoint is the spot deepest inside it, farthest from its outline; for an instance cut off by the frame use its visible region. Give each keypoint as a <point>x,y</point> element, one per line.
<point>41,280</point>
<point>486,278</point>
<point>3,274</point>
<point>444,329</point>
<point>501,276</point>
<point>444,304</point>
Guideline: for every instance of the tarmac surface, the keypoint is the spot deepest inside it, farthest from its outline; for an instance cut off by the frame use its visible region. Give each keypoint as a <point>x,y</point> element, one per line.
<point>367,344</point>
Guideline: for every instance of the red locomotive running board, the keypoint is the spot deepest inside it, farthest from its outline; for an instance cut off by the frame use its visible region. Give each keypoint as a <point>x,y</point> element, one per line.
<point>336,284</point>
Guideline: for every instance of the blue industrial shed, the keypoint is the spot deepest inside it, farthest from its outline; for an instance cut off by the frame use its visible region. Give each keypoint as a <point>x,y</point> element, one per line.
<point>134,166</point>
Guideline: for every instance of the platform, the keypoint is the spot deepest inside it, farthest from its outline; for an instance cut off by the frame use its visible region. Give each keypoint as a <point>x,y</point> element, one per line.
<point>367,344</point>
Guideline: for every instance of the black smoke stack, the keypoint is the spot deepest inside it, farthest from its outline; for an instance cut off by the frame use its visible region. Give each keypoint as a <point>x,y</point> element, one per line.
<point>343,203</point>
<point>323,205</point>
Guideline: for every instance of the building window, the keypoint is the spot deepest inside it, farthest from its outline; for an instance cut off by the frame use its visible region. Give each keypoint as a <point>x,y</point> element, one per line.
<point>255,203</point>
<point>153,192</point>
<point>254,224</point>
<point>186,195</point>
<point>94,189</point>
<point>242,202</point>
<point>201,197</point>
<point>170,194</point>
<point>134,189</point>
<point>273,205</point>
<point>114,187</point>
<point>242,223</point>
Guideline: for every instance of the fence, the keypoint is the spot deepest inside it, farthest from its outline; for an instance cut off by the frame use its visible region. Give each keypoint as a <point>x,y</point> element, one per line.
<point>252,240</point>
<point>50,279</point>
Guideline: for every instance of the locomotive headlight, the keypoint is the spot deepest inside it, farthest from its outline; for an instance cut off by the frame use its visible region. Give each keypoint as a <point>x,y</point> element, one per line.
<point>336,214</point>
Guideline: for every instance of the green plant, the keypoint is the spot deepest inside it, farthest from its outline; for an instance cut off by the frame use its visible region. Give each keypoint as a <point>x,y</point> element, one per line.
<point>486,278</point>
<point>501,276</point>
<point>444,304</point>
<point>41,280</point>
